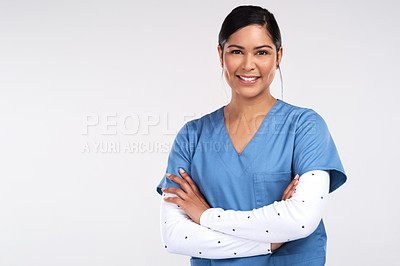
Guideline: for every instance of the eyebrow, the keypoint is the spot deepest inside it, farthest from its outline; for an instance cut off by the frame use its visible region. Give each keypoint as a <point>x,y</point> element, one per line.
<point>255,48</point>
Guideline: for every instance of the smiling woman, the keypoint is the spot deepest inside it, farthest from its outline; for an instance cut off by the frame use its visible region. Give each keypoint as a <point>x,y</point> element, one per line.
<point>250,59</point>
<point>259,200</point>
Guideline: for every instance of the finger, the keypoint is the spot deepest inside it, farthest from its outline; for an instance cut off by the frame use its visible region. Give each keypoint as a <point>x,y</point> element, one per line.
<point>187,177</point>
<point>292,190</point>
<point>182,182</point>
<point>190,181</point>
<point>289,188</point>
<point>175,190</point>
<point>193,186</point>
<point>175,200</point>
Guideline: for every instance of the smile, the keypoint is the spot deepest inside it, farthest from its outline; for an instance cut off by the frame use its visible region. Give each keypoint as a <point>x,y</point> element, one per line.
<point>248,78</point>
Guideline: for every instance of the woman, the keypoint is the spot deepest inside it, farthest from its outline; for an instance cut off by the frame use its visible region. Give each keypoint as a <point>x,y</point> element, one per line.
<point>247,183</point>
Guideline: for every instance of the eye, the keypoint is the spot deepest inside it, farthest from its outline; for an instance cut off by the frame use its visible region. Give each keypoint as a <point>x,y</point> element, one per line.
<point>236,52</point>
<point>262,52</point>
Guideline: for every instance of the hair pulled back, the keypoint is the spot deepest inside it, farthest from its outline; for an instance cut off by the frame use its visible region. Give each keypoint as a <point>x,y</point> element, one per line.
<point>243,16</point>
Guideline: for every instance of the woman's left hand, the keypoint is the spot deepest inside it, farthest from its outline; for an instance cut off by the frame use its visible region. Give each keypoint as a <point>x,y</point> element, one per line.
<point>189,199</point>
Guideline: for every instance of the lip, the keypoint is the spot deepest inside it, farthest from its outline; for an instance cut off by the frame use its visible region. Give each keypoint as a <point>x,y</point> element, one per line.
<point>248,76</point>
<point>248,82</point>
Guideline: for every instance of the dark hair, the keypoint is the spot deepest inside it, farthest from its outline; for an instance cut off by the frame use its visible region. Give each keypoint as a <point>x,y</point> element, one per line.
<point>243,16</point>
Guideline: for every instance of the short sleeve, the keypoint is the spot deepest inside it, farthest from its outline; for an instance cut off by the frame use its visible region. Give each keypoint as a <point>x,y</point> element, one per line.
<point>314,149</point>
<point>179,157</point>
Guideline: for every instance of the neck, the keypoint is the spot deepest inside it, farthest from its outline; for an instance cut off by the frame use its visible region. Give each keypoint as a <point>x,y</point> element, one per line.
<point>250,107</point>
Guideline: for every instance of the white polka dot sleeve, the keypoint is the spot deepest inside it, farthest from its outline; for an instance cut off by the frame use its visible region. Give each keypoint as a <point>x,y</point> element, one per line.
<point>181,235</point>
<point>281,221</point>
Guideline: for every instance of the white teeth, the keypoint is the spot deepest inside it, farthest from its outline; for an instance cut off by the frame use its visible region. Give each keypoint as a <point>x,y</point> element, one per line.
<point>248,79</point>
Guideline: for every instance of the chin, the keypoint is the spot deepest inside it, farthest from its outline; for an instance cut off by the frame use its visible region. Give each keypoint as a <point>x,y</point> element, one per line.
<point>248,92</point>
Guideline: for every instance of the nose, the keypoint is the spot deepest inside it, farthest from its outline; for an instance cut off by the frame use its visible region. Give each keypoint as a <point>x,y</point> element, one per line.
<point>248,62</point>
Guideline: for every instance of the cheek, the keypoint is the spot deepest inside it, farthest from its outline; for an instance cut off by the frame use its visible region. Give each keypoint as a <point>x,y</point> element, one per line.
<point>230,67</point>
<point>268,68</point>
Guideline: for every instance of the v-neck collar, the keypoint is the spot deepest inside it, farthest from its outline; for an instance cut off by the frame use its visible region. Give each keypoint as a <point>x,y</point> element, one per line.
<point>256,135</point>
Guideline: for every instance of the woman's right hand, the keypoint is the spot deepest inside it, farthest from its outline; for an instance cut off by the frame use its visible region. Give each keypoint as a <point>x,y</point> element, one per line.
<point>275,246</point>
<point>291,188</point>
<point>287,194</point>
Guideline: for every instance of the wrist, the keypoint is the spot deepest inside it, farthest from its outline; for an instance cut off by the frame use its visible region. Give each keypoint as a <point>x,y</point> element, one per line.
<point>203,216</point>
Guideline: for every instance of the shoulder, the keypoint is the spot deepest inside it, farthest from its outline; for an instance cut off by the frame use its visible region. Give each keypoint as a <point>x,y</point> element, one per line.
<point>298,111</point>
<point>195,126</point>
<point>192,130</point>
<point>304,118</point>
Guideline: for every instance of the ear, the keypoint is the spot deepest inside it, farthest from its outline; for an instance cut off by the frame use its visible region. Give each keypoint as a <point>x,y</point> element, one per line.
<point>280,54</point>
<point>220,54</point>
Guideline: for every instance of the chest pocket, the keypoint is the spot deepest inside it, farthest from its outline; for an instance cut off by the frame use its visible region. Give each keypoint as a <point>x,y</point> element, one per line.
<point>269,187</point>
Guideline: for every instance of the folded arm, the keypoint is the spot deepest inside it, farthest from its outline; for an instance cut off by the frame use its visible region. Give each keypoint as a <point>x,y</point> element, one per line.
<point>183,236</point>
<point>281,221</point>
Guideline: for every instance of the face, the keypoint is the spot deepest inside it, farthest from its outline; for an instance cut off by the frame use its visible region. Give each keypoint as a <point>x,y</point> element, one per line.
<point>249,61</point>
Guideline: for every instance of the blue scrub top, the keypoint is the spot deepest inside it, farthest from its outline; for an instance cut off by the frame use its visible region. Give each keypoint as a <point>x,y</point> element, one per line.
<point>291,140</point>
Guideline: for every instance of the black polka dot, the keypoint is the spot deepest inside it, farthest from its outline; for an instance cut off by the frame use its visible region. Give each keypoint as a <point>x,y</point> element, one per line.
<point>269,250</point>
<point>302,200</point>
<point>266,231</point>
<point>233,229</point>
<point>199,252</point>
<point>302,226</point>
<point>165,246</point>
<point>219,216</point>
<point>248,217</point>
<point>322,197</point>
<point>185,237</point>
<point>312,173</point>
<point>279,214</point>
<point>234,253</point>
<point>178,206</point>
<point>165,222</point>
<point>219,242</point>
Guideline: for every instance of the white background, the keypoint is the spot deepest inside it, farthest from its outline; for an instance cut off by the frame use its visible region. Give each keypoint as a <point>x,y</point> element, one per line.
<point>67,64</point>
